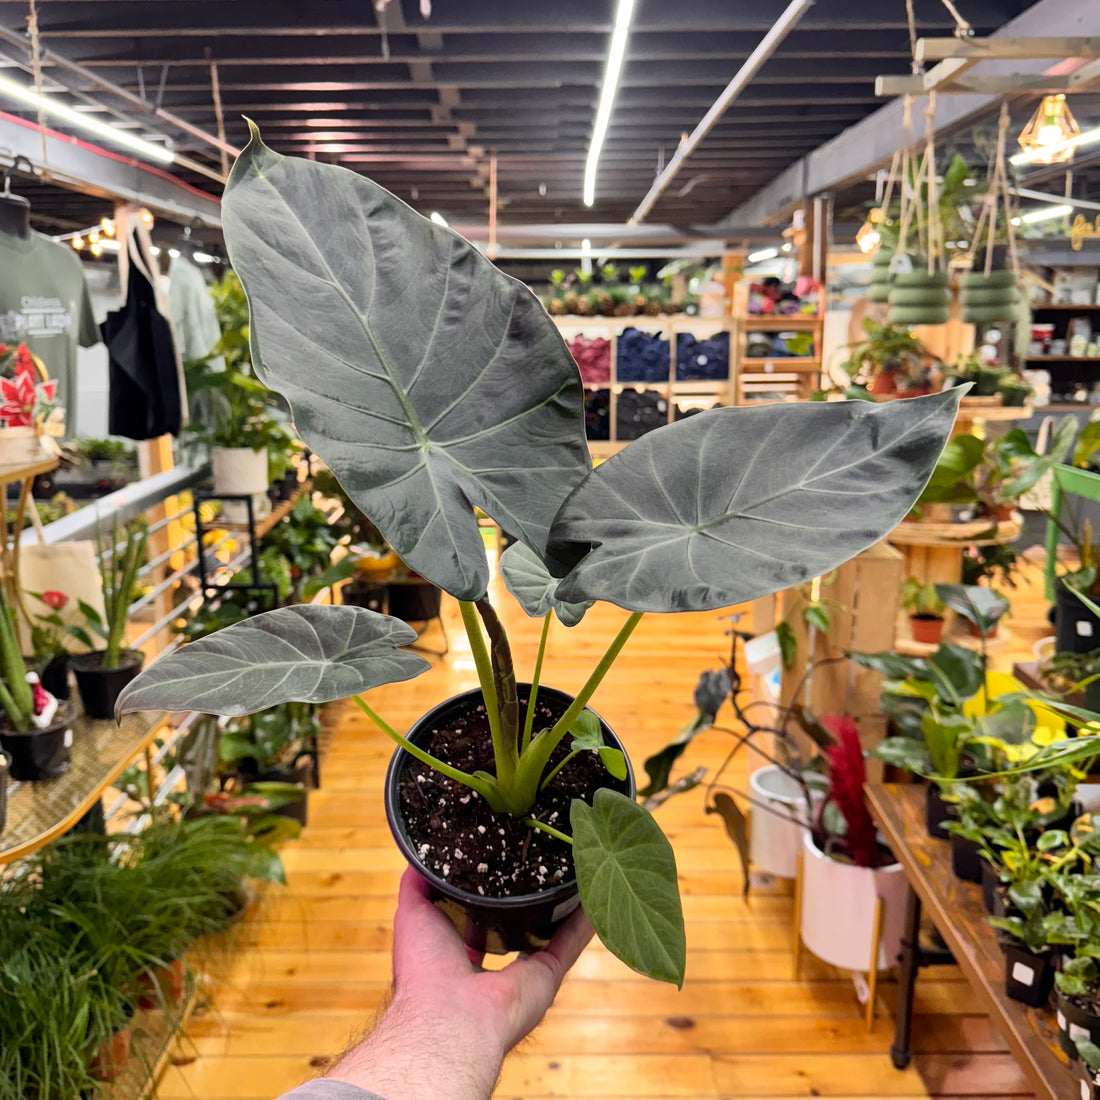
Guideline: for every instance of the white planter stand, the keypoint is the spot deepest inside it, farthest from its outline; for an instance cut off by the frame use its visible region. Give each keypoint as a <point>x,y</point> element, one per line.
<point>851,917</point>
<point>241,471</point>
<point>776,831</point>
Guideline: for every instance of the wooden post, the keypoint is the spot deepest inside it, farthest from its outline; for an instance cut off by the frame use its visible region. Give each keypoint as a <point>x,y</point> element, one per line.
<point>797,922</point>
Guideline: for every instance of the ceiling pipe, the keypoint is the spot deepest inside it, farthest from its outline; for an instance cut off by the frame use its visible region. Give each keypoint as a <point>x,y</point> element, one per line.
<point>552,232</point>
<point>755,61</point>
<point>1057,200</point>
<point>16,39</point>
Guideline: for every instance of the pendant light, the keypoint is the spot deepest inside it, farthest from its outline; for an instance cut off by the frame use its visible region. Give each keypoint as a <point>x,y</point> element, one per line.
<point>1048,136</point>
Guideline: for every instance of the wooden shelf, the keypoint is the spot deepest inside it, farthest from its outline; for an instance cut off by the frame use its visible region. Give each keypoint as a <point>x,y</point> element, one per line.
<point>975,533</point>
<point>280,512</point>
<point>10,474</point>
<point>778,364</point>
<point>40,812</point>
<point>798,322</point>
<point>1063,359</point>
<point>1064,306</point>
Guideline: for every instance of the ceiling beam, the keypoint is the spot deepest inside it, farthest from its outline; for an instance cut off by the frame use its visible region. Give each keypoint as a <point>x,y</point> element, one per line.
<point>869,144</point>
<point>1054,49</point>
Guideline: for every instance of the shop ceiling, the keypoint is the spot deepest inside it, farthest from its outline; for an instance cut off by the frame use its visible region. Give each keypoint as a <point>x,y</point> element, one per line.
<point>420,103</point>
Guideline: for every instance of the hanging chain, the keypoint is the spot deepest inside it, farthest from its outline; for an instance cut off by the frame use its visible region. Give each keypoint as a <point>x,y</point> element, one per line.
<point>36,62</point>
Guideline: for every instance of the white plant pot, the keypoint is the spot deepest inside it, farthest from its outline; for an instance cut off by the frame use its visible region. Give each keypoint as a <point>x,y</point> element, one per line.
<point>837,915</point>
<point>777,830</point>
<point>239,470</point>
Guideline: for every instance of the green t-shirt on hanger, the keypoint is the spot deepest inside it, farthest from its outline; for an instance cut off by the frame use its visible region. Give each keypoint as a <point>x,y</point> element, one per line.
<point>44,303</point>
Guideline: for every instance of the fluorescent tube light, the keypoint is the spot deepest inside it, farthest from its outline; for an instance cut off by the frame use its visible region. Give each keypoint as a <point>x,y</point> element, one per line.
<point>763,254</point>
<point>1043,214</point>
<point>1089,137</point>
<point>147,149</point>
<point>612,72</point>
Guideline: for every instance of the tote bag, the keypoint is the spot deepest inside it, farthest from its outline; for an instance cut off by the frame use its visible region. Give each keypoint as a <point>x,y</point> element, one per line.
<point>71,568</point>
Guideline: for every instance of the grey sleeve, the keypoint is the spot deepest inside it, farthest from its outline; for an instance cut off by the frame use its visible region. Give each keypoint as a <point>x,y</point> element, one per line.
<point>325,1089</point>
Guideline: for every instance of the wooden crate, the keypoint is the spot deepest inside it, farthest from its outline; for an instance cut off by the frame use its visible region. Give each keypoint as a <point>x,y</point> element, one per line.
<point>866,590</point>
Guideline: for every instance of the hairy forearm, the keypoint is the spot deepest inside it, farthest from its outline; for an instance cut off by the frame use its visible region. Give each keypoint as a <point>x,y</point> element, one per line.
<point>423,1052</point>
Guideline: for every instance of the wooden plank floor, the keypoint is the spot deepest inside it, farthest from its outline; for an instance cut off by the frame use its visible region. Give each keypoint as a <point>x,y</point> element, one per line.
<point>311,961</point>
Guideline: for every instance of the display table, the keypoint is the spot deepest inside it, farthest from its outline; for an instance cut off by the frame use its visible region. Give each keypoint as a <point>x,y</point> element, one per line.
<point>934,551</point>
<point>955,908</point>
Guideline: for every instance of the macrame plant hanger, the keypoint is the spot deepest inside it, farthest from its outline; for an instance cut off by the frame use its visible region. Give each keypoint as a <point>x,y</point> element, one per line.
<point>995,199</point>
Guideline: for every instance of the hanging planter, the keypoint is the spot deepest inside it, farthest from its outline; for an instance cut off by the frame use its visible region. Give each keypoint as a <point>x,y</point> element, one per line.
<point>919,297</point>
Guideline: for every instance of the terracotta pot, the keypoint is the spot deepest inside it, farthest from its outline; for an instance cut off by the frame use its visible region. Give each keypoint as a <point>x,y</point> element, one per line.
<point>927,629</point>
<point>162,987</point>
<point>976,633</point>
<point>112,1057</point>
<point>523,922</point>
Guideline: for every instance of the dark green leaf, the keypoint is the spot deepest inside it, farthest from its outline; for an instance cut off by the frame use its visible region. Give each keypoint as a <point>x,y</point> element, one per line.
<point>421,374</point>
<point>904,752</point>
<point>788,645</point>
<point>733,504</point>
<point>960,667</point>
<point>892,665</point>
<point>1052,838</point>
<point>626,873</point>
<point>817,615</point>
<point>1012,724</point>
<point>528,579</point>
<point>304,653</point>
<point>959,459</point>
<point>341,571</point>
<point>737,829</point>
<point>711,691</point>
<point>981,606</point>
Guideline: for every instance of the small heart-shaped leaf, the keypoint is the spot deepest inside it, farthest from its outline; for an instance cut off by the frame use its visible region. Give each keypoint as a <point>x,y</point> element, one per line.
<point>306,653</point>
<point>626,873</point>
<point>528,579</point>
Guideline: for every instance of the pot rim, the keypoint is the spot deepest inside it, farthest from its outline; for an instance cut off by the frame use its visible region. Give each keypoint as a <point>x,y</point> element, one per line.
<point>81,662</point>
<point>557,893</point>
<point>64,716</point>
<point>810,844</point>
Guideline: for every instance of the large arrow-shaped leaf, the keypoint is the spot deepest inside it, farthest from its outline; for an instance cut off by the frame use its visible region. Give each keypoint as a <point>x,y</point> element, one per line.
<point>305,653</point>
<point>626,874</point>
<point>734,504</point>
<point>426,379</point>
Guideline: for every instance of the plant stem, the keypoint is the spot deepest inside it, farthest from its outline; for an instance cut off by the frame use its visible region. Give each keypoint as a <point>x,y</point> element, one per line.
<point>529,723</point>
<point>535,759</point>
<point>547,779</point>
<point>505,769</point>
<point>475,783</point>
<point>535,824</point>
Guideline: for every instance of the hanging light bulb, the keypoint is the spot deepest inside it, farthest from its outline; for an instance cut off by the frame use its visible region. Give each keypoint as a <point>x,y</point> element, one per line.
<point>77,242</point>
<point>108,226</point>
<point>868,237</point>
<point>93,237</point>
<point>1049,137</point>
<point>147,217</point>
<point>97,249</point>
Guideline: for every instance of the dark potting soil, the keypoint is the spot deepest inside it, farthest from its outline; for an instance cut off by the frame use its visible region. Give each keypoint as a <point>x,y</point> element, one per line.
<point>1087,1002</point>
<point>462,840</point>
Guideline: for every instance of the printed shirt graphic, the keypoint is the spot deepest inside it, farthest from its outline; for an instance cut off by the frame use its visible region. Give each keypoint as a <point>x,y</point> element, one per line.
<point>44,303</point>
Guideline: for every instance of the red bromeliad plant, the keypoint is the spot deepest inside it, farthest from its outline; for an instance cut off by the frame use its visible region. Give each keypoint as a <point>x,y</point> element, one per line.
<point>847,774</point>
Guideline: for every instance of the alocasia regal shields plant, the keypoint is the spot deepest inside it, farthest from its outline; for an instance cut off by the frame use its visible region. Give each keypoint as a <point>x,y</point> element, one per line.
<point>430,383</point>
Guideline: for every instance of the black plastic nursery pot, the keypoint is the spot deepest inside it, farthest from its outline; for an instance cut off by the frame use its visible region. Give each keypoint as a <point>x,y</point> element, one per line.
<point>55,677</point>
<point>1029,978</point>
<point>496,925</point>
<point>1075,1023</point>
<point>937,812</point>
<point>992,900</point>
<point>100,687</point>
<point>1076,628</point>
<point>40,754</point>
<point>414,601</point>
<point>364,594</point>
<point>966,861</point>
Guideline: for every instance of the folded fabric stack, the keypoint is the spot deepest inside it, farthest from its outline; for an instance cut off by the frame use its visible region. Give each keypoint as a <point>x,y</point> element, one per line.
<point>702,360</point>
<point>642,357</point>
<point>638,413</point>
<point>593,358</point>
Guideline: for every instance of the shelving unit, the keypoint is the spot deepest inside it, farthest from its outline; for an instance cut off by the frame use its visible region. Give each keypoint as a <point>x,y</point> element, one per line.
<point>1066,371</point>
<point>763,379</point>
<point>670,391</point>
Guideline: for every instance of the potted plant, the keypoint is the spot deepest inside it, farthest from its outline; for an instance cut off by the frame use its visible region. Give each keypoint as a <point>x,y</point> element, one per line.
<point>31,421</point>
<point>1014,391</point>
<point>925,610</point>
<point>36,728</point>
<point>454,390</point>
<point>981,607</point>
<point>49,641</point>
<point>846,871</point>
<point>102,673</point>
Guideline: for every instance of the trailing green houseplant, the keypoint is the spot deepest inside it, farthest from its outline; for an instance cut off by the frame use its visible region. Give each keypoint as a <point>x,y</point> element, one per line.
<point>431,384</point>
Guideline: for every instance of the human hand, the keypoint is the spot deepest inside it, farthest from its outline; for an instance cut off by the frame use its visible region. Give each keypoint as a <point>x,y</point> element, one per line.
<point>450,1023</point>
<point>431,966</point>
